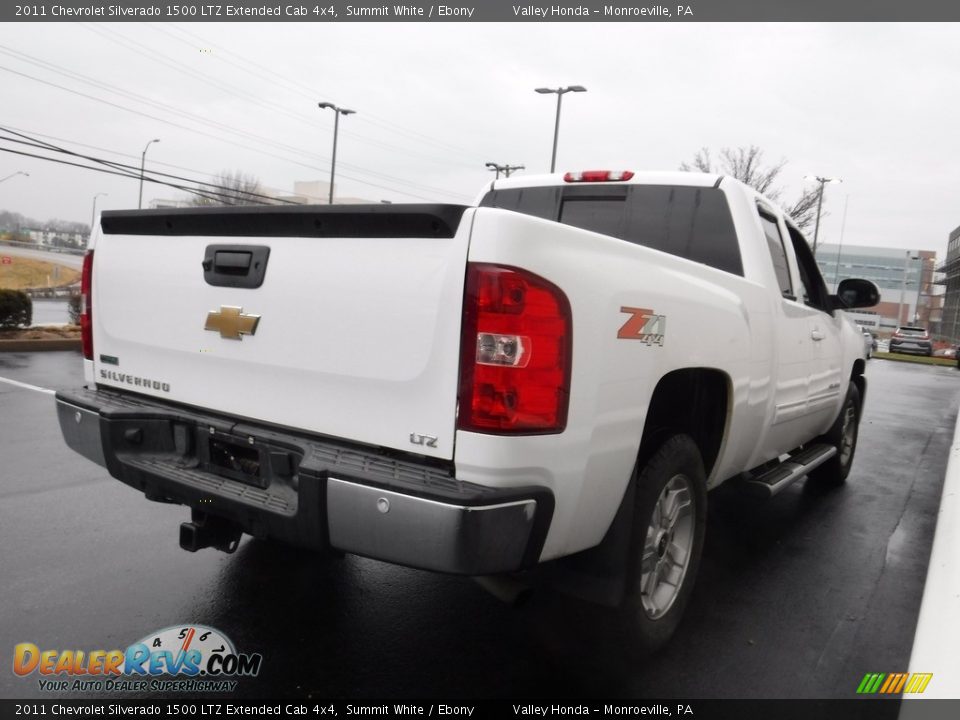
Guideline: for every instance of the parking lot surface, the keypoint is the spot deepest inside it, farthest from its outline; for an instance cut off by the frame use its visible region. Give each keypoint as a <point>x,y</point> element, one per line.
<point>797,597</point>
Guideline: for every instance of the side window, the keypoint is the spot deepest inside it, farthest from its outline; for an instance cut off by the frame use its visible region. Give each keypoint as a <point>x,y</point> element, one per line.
<point>777,254</point>
<point>815,290</point>
<point>689,222</point>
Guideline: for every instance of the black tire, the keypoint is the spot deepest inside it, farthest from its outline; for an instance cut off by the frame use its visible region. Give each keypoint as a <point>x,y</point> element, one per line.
<point>648,620</point>
<point>843,436</point>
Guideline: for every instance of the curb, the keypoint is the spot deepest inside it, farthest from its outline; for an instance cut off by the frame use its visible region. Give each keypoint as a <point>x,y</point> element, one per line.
<point>39,345</point>
<point>938,631</point>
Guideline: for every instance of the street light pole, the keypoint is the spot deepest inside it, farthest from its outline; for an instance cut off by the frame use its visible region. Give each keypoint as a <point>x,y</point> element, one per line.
<point>916,307</point>
<point>903,283</point>
<point>556,126</point>
<point>823,181</point>
<point>843,225</point>
<point>337,112</point>
<point>143,159</point>
<point>18,172</point>
<point>93,214</point>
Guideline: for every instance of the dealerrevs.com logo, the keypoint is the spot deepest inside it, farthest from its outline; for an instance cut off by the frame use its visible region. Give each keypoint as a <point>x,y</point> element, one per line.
<point>189,658</point>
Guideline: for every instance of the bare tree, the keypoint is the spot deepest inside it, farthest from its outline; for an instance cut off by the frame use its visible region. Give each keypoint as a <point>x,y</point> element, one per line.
<point>232,188</point>
<point>746,165</point>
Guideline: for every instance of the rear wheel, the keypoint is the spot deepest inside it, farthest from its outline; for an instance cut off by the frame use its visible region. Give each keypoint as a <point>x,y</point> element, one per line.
<point>669,527</point>
<point>843,436</point>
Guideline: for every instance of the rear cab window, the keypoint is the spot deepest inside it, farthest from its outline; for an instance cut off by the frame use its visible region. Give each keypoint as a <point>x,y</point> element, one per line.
<point>689,222</point>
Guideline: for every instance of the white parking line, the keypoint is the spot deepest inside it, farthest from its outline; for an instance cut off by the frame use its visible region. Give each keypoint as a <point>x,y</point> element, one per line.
<point>27,387</point>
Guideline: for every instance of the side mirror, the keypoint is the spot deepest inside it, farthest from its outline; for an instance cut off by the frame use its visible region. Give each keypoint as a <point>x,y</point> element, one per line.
<point>855,293</point>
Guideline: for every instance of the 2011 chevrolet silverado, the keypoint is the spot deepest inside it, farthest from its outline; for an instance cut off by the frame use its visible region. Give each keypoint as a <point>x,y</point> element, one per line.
<point>561,371</point>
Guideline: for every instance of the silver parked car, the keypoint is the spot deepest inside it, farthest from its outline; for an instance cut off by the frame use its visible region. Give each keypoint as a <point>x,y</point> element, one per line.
<point>910,339</point>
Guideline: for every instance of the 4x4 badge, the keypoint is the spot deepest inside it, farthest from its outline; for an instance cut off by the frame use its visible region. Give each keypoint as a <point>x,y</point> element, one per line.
<point>231,323</point>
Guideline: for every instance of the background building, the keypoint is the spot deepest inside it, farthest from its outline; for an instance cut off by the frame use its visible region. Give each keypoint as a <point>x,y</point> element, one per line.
<point>907,280</point>
<point>950,279</point>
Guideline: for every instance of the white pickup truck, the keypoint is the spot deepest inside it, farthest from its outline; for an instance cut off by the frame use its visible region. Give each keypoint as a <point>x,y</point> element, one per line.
<point>564,369</point>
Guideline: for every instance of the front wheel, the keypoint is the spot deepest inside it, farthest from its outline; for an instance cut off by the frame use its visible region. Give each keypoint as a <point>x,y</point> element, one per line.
<point>843,436</point>
<point>669,526</point>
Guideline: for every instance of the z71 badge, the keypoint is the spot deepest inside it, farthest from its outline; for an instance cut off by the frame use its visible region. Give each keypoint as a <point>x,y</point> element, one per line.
<point>644,325</point>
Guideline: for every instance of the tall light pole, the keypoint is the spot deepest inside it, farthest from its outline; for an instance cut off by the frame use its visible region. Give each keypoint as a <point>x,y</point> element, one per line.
<point>337,112</point>
<point>823,181</point>
<point>843,225</point>
<point>18,172</point>
<point>903,283</point>
<point>916,307</point>
<point>143,159</point>
<point>93,214</point>
<point>556,127</point>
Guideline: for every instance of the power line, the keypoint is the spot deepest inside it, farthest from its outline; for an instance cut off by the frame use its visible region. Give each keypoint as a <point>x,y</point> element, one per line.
<point>134,157</point>
<point>312,94</point>
<point>157,56</point>
<point>135,169</point>
<point>104,170</point>
<point>236,132</point>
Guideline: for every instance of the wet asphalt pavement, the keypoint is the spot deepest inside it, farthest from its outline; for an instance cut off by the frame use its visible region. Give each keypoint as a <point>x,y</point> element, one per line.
<point>797,597</point>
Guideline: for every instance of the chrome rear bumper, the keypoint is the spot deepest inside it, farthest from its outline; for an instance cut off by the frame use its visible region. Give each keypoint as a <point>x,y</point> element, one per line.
<point>310,491</point>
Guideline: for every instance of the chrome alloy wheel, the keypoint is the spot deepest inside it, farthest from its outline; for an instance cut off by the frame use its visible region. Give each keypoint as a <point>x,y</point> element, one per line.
<point>848,434</point>
<point>667,547</point>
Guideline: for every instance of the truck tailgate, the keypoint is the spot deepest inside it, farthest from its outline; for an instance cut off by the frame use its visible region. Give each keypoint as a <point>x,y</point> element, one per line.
<point>353,330</point>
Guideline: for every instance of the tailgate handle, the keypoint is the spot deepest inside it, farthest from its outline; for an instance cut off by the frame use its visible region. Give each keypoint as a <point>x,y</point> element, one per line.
<point>238,266</point>
<point>226,261</point>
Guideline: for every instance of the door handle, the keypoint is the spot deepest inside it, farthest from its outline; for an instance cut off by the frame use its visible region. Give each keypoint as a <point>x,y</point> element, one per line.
<point>817,335</point>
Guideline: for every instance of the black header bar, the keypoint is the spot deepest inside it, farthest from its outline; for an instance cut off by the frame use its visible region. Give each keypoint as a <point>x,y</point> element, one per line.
<point>337,11</point>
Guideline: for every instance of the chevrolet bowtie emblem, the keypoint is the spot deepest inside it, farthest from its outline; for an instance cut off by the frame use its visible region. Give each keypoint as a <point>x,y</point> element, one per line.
<point>231,323</point>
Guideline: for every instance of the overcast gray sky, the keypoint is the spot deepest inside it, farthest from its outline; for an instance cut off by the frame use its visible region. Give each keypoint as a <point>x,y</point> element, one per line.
<point>875,104</point>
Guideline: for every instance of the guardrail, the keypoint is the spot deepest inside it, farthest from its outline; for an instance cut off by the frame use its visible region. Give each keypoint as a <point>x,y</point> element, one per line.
<point>58,292</point>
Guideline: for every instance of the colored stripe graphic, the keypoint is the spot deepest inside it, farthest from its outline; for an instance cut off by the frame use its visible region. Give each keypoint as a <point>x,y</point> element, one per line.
<point>870,683</point>
<point>918,682</point>
<point>894,683</point>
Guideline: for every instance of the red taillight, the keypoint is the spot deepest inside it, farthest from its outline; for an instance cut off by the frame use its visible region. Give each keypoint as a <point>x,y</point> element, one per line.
<point>86,307</point>
<point>515,353</point>
<point>598,176</point>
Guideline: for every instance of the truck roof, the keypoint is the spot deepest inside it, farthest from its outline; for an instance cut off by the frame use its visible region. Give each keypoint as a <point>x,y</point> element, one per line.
<point>649,177</point>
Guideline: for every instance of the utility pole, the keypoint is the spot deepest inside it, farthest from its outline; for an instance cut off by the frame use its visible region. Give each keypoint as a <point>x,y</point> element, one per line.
<point>505,169</point>
<point>823,181</point>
